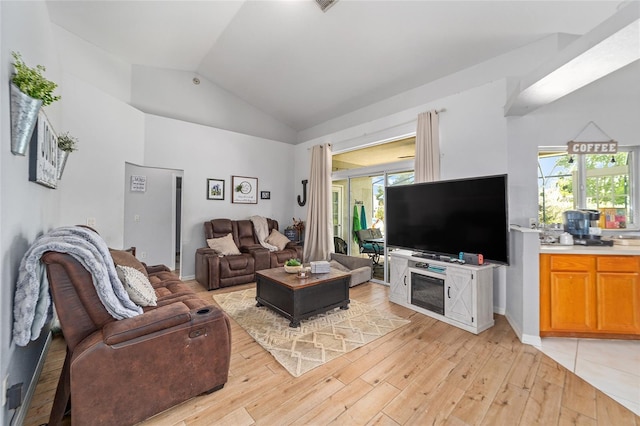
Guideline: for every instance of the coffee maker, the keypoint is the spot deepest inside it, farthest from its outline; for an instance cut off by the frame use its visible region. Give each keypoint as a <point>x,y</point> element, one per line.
<point>577,223</point>
<point>594,224</point>
<point>584,226</point>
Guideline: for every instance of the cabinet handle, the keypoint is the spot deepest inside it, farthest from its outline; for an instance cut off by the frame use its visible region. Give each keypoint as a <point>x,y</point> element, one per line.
<point>404,280</point>
<point>449,292</point>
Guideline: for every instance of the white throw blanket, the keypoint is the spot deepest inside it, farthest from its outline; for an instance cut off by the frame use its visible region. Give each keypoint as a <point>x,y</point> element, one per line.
<point>262,231</point>
<point>32,300</point>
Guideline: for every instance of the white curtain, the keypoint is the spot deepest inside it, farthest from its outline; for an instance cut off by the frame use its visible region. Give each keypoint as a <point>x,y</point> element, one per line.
<point>318,240</point>
<point>427,166</point>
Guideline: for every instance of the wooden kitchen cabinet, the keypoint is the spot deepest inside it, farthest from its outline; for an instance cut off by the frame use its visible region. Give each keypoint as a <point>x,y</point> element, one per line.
<point>618,294</point>
<point>589,295</point>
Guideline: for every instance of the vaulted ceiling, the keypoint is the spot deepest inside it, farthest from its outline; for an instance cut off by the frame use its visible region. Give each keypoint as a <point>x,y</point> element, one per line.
<point>303,66</point>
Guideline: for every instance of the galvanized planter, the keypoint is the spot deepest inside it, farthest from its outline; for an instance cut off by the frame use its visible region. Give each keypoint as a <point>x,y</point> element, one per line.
<point>62,161</point>
<point>24,115</point>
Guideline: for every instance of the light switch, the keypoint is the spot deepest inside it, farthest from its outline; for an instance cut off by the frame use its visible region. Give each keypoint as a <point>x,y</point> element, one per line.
<point>136,218</point>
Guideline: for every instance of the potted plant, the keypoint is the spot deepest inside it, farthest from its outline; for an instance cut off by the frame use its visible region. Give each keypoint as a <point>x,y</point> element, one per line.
<point>30,90</point>
<point>66,145</point>
<point>292,266</point>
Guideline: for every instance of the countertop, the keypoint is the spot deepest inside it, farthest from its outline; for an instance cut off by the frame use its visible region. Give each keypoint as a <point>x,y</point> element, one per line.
<point>616,250</point>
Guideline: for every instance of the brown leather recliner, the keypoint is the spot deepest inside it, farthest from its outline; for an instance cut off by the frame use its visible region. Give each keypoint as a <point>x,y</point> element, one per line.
<point>246,232</point>
<point>120,372</point>
<point>214,271</point>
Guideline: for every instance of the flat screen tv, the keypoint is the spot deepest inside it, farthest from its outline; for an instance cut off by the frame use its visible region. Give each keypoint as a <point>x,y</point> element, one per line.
<point>449,217</point>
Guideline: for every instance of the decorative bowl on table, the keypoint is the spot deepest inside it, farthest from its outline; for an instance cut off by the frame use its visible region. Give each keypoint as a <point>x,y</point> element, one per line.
<point>292,269</point>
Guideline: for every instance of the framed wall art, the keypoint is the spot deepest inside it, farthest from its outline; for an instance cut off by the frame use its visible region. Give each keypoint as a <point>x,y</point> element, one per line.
<point>43,153</point>
<point>215,189</point>
<point>244,190</point>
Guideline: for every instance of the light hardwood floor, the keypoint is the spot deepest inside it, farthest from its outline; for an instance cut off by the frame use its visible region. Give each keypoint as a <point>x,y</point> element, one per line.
<point>424,373</point>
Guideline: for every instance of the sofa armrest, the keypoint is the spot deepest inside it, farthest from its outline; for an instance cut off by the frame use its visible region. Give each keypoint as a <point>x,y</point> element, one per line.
<point>250,248</point>
<point>352,262</point>
<point>150,322</point>
<point>206,251</point>
<point>260,255</point>
<point>152,269</point>
<point>298,248</point>
<point>208,268</point>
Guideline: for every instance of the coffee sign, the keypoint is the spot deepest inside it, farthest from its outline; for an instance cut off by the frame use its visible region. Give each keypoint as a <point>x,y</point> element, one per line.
<point>610,147</point>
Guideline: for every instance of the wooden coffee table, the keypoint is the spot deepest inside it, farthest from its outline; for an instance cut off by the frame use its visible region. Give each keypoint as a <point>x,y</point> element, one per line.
<point>299,298</point>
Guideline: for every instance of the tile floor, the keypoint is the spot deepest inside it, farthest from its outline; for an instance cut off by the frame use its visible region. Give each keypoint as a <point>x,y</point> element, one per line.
<point>613,366</point>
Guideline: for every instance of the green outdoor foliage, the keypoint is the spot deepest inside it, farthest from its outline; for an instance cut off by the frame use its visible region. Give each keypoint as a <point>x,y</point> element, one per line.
<point>31,81</point>
<point>67,142</point>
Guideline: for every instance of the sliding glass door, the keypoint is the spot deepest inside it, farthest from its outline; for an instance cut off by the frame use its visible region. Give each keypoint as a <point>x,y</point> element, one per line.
<point>366,201</point>
<point>359,179</point>
<point>359,203</point>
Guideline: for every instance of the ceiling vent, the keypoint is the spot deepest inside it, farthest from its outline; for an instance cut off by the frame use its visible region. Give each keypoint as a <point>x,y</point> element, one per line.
<point>326,4</point>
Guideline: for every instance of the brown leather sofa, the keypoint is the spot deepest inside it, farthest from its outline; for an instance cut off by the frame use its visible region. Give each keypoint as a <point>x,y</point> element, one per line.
<point>120,372</point>
<point>214,271</point>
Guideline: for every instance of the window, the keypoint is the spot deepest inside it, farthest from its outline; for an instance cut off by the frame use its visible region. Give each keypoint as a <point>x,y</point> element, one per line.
<point>607,183</point>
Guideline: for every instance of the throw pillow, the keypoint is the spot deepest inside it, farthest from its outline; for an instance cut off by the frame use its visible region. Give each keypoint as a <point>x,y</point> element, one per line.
<point>339,266</point>
<point>124,258</point>
<point>223,245</point>
<point>137,286</point>
<point>277,239</point>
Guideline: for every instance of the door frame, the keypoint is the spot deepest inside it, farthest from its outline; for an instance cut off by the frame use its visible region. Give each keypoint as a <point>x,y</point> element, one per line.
<point>379,169</point>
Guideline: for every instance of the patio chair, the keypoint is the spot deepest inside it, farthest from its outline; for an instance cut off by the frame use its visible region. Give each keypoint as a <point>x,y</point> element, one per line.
<point>371,244</point>
<point>339,245</point>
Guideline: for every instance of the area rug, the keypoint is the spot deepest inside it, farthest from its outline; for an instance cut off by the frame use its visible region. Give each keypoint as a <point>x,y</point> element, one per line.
<point>318,340</point>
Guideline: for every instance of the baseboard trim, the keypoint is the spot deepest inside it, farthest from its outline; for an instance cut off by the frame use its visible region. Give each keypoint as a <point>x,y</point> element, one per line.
<point>527,339</point>
<point>532,340</point>
<point>514,326</point>
<point>21,414</point>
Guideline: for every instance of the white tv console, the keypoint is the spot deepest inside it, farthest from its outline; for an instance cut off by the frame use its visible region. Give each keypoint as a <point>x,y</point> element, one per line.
<point>467,292</point>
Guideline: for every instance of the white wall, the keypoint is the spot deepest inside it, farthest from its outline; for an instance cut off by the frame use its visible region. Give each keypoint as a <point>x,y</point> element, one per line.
<point>613,103</point>
<point>97,67</point>
<point>28,209</point>
<point>205,103</point>
<point>523,291</point>
<point>514,63</point>
<point>205,152</point>
<point>110,133</point>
